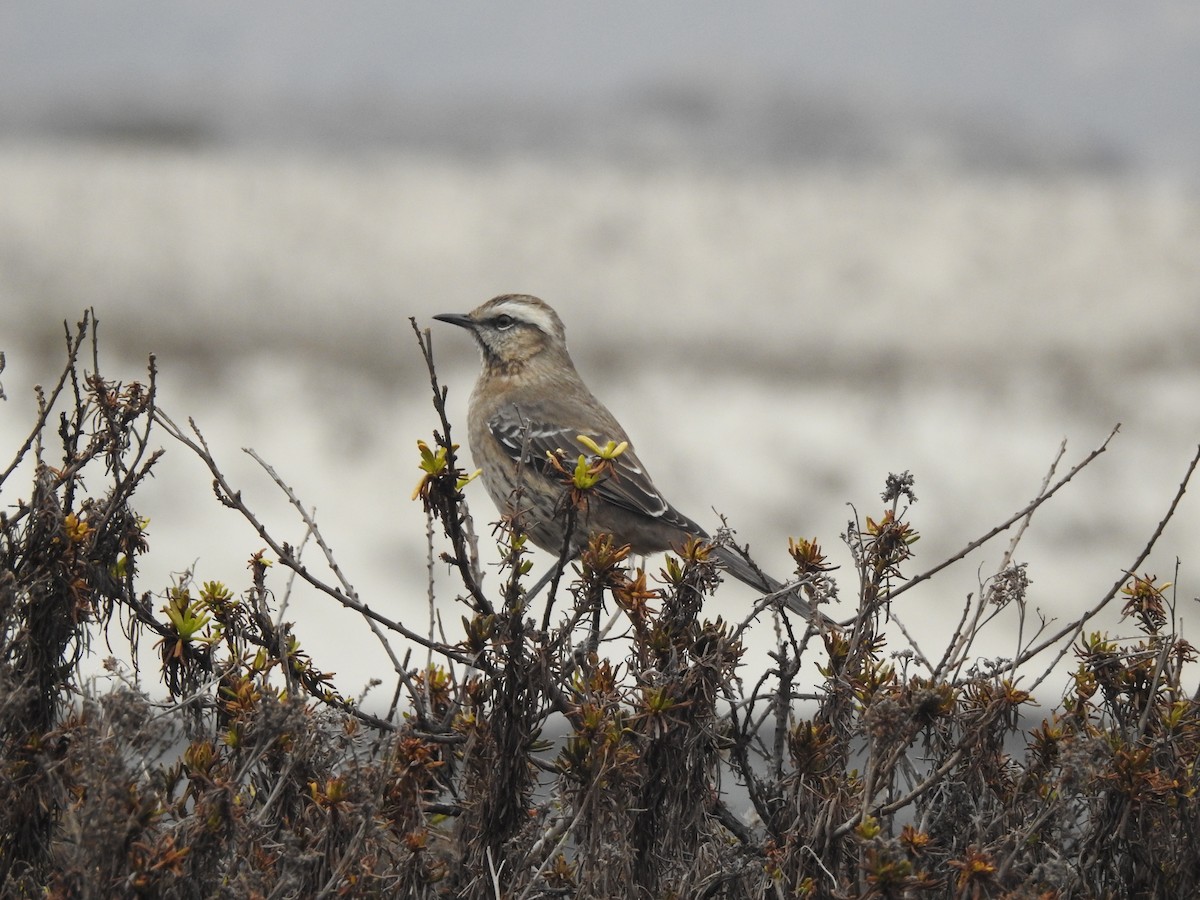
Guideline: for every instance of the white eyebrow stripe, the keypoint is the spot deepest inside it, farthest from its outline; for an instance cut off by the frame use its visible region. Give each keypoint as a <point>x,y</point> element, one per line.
<point>526,312</point>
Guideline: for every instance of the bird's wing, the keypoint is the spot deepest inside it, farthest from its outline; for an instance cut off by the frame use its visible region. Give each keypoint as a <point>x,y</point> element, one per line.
<point>526,440</point>
<point>628,486</point>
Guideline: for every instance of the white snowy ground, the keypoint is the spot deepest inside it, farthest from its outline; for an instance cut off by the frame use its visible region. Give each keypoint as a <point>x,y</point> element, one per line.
<point>776,341</point>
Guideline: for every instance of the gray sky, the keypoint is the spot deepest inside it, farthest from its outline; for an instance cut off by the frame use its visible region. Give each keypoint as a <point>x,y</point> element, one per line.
<point>1124,75</point>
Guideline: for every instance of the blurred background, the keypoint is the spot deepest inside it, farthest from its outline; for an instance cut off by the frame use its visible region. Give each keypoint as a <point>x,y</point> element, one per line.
<point>794,251</point>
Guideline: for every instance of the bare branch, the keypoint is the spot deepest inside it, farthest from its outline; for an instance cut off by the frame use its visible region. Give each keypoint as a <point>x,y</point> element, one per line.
<point>1027,511</point>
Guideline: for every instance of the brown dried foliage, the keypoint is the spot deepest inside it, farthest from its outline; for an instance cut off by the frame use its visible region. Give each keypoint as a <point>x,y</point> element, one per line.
<point>597,742</point>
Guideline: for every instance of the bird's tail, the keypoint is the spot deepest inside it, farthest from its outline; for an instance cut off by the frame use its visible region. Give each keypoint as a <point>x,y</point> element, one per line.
<point>746,572</point>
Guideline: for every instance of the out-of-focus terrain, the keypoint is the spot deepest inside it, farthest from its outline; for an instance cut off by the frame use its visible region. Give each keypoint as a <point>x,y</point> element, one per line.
<point>784,298</point>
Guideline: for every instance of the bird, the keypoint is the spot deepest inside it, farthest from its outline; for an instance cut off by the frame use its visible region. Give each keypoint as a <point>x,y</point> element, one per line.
<point>530,401</point>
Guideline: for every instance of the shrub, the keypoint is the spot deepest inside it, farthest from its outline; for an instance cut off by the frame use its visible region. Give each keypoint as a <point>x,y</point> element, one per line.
<point>589,743</point>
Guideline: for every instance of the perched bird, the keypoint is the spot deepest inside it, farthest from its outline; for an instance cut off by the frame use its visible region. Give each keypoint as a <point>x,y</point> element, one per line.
<point>530,401</point>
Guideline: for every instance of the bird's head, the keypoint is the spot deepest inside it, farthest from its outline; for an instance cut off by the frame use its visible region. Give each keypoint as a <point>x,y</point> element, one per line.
<point>512,330</point>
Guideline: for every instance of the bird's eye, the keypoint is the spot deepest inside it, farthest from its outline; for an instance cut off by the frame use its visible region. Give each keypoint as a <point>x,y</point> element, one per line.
<point>505,322</point>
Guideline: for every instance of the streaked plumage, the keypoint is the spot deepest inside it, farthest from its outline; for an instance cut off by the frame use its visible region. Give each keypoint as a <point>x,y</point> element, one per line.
<point>529,400</point>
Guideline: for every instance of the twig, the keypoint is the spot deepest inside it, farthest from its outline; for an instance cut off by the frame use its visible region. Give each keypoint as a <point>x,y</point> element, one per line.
<point>1078,624</point>
<point>233,499</point>
<point>1007,523</point>
<point>466,558</point>
<point>1020,532</point>
<point>314,530</point>
<point>912,643</point>
<point>934,779</point>
<point>73,346</point>
<point>1151,692</point>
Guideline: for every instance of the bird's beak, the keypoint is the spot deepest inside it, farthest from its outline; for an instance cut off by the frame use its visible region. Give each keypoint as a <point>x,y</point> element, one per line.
<point>459,319</point>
